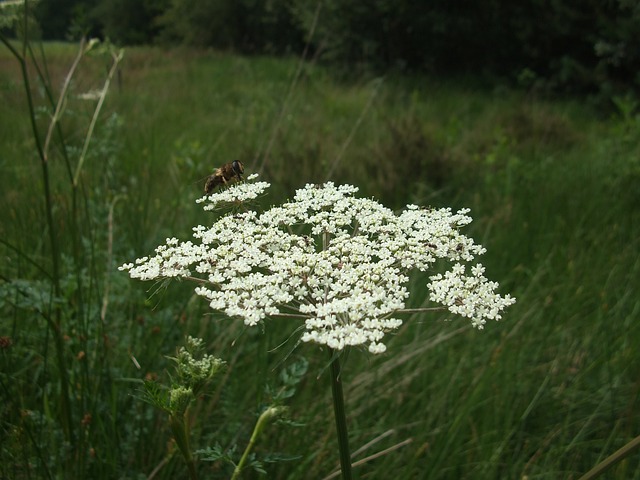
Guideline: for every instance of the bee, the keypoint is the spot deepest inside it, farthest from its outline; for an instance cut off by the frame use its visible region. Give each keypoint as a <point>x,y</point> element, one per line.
<point>226,173</point>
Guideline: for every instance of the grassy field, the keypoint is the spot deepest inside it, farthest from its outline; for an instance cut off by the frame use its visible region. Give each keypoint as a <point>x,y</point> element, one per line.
<point>553,187</point>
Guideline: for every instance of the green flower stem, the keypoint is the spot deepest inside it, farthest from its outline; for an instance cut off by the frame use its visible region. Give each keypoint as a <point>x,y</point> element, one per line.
<point>341,419</point>
<point>264,418</point>
<point>180,433</point>
<point>245,455</point>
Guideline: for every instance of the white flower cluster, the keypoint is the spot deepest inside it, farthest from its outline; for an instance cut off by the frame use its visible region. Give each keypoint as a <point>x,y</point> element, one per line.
<point>473,297</point>
<point>339,262</point>
<point>241,192</point>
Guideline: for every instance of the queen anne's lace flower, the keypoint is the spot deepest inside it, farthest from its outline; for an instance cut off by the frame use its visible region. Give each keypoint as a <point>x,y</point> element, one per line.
<point>338,262</point>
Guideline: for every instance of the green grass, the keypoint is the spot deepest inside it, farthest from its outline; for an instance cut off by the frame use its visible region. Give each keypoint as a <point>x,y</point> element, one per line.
<point>553,186</point>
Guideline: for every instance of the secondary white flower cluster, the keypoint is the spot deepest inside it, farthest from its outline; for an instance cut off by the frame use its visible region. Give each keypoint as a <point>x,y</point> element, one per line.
<point>338,262</point>
<point>241,192</point>
<point>193,367</point>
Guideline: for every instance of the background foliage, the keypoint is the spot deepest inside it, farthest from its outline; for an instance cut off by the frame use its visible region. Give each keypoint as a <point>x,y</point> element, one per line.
<point>568,45</point>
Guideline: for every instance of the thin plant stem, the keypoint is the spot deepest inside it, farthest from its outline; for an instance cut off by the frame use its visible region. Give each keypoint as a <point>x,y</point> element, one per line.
<point>179,426</point>
<point>107,282</point>
<point>292,87</point>
<point>62,99</point>
<point>243,460</point>
<point>420,310</point>
<point>264,418</point>
<point>245,455</point>
<point>612,459</point>
<point>353,130</point>
<point>340,416</point>
<point>374,456</point>
<point>54,319</point>
<point>117,57</point>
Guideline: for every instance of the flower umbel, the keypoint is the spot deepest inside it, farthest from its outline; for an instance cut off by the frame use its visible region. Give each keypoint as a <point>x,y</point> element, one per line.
<point>338,262</point>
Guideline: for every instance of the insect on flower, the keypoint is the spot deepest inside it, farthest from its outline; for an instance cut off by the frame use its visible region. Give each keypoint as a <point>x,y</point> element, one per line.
<point>225,174</point>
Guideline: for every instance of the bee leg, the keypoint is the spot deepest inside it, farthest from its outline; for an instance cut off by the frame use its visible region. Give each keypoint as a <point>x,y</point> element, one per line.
<point>208,186</point>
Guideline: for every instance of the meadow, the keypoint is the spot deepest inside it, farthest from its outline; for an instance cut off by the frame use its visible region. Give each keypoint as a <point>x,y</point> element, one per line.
<point>553,185</point>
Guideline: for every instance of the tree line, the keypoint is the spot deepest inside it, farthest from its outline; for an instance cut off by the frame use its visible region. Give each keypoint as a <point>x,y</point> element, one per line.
<point>567,45</point>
